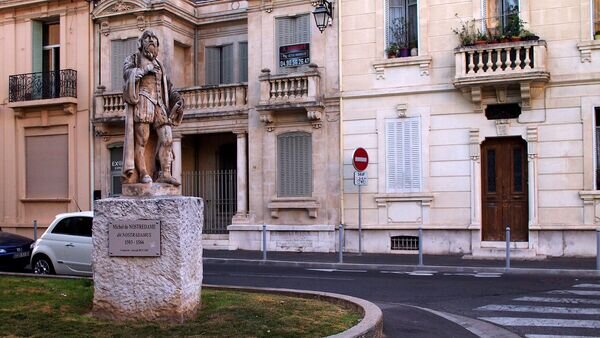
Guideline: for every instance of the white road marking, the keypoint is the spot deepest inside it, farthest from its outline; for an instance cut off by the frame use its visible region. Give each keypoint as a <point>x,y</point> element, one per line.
<point>543,322</point>
<point>336,270</point>
<point>422,273</point>
<point>488,274</point>
<point>559,300</point>
<point>541,309</point>
<point>592,286</point>
<point>555,336</point>
<point>459,274</point>
<point>575,292</point>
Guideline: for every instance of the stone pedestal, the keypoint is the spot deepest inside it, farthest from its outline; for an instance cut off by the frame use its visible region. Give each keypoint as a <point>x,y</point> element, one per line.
<point>163,288</point>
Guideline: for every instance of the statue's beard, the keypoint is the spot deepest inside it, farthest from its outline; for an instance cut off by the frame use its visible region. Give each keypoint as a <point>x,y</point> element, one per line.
<point>150,51</point>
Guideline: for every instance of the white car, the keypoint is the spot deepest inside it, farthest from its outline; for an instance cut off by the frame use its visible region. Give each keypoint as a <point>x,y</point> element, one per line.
<point>66,246</point>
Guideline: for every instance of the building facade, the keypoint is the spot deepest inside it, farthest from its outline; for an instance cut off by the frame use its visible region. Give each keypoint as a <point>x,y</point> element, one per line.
<point>468,137</point>
<point>260,136</point>
<point>44,111</point>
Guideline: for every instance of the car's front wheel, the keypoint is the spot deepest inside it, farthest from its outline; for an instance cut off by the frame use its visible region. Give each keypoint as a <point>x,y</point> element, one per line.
<point>42,265</point>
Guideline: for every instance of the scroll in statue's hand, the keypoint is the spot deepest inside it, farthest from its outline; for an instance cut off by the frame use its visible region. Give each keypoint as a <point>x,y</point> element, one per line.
<point>176,114</point>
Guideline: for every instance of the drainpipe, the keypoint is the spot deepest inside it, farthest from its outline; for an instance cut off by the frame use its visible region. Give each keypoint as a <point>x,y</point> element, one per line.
<point>92,106</point>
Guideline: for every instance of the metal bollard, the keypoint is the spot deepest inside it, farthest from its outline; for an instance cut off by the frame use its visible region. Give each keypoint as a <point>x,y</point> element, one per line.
<point>264,242</point>
<point>598,249</point>
<point>35,229</point>
<point>341,243</point>
<point>420,247</point>
<point>507,246</point>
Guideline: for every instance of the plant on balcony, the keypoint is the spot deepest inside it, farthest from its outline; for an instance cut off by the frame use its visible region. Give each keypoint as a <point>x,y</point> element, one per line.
<point>467,32</point>
<point>597,35</point>
<point>528,36</point>
<point>399,32</point>
<point>514,26</point>
<point>392,50</point>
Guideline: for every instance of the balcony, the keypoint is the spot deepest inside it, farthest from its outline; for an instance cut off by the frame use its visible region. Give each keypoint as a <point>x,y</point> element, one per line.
<point>205,101</point>
<point>502,68</point>
<point>34,90</point>
<point>290,92</point>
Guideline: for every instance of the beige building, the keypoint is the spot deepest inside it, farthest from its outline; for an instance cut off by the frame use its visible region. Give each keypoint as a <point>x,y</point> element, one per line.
<point>465,140</point>
<point>260,137</point>
<point>44,111</point>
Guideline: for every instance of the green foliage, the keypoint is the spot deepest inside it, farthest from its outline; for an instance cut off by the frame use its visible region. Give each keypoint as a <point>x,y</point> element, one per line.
<point>50,307</point>
<point>467,32</point>
<point>399,31</point>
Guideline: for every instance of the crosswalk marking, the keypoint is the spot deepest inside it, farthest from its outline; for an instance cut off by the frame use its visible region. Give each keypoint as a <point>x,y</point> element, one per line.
<point>540,309</point>
<point>593,286</point>
<point>544,322</point>
<point>559,300</point>
<point>575,292</point>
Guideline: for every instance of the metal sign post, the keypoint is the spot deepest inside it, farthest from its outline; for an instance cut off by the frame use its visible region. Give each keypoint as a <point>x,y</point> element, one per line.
<point>360,161</point>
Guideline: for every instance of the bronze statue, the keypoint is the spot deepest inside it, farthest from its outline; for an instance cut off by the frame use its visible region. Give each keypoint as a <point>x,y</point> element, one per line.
<point>152,108</point>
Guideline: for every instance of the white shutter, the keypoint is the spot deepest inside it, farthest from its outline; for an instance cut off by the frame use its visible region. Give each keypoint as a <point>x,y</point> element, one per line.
<point>302,34</point>
<point>403,155</point>
<point>226,64</point>
<point>212,62</point>
<point>243,63</point>
<point>119,50</point>
<point>294,164</point>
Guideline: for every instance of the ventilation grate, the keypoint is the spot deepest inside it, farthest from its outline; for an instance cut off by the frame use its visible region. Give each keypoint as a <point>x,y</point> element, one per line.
<point>405,242</point>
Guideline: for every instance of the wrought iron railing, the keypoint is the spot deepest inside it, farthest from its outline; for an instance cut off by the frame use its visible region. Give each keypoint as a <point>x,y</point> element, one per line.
<point>43,85</point>
<point>218,188</point>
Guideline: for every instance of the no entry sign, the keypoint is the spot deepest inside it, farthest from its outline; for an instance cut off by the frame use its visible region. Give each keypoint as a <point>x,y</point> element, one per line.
<point>360,159</point>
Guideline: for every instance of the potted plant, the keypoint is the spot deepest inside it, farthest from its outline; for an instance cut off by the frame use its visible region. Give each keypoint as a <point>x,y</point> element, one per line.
<point>466,33</point>
<point>597,35</point>
<point>481,38</point>
<point>514,26</point>
<point>392,50</point>
<point>528,36</point>
<point>399,34</point>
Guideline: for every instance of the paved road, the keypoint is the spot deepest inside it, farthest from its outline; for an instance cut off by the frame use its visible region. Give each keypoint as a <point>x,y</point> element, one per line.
<point>528,305</point>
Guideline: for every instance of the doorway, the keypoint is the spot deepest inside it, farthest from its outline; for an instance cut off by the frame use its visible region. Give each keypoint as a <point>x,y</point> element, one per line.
<point>504,189</point>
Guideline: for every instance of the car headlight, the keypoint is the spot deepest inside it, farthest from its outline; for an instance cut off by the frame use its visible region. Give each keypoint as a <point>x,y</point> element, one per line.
<point>2,251</point>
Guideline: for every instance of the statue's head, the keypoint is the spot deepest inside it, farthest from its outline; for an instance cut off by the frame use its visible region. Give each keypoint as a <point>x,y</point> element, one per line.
<point>148,44</point>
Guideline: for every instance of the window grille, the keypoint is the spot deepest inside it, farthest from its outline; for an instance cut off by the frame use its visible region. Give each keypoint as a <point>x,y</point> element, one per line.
<point>404,242</point>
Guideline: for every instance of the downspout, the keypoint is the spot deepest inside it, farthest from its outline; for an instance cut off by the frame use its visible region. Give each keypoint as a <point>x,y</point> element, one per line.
<point>195,57</point>
<point>341,85</point>
<point>92,104</point>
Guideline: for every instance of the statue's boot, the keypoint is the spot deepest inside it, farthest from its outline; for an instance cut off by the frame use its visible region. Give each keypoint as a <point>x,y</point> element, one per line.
<point>146,179</point>
<point>169,180</point>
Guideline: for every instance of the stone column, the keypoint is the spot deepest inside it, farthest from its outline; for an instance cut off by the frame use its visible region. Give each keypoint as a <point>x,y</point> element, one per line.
<point>177,162</point>
<point>242,170</point>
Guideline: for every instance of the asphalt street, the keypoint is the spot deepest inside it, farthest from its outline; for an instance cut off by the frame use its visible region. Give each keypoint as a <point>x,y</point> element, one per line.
<point>529,305</point>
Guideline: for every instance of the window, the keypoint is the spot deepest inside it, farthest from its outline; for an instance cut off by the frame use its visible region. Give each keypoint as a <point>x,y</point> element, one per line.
<point>116,166</point>
<point>219,65</point>
<point>293,42</point>
<point>45,59</point>
<point>597,145</point>
<point>243,63</point>
<point>74,226</point>
<point>402,23</point>
<point>500,13</point>
<point>294,164</point>
<point>119,50</point>
<point>403,155</point>
<point>46,166</point>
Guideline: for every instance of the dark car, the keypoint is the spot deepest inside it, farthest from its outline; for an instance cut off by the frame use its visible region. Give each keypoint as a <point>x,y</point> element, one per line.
<point>15,251</point>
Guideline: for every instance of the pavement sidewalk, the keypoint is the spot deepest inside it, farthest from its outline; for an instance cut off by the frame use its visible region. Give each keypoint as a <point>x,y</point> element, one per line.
<point>408,262</point>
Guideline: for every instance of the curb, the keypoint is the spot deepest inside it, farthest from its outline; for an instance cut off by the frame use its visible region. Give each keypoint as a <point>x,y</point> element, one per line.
<point>371,326</point>
<point>408,268</point>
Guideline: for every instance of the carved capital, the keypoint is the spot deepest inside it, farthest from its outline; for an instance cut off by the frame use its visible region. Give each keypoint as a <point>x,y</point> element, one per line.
<point>401,109</point>
<point>105,28</point>
<point>267,119</point>
<point>141,22</point>
<point>70,108</point>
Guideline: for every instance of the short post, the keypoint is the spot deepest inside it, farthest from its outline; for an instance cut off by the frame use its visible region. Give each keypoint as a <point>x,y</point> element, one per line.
<point>598,249</point>
<point>264,242</point>
<point>341,243</point>
<point>420,246</point>
<point>35,229</point>
<point>507,247</point>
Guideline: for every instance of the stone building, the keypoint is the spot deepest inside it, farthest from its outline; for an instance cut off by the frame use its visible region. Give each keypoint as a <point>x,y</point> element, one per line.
<point>468,137</point>
<point>45,139</point>
<point>260,137</point>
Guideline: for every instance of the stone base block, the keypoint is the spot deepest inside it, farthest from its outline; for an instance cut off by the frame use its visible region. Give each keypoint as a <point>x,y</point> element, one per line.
<point>150,189</point>
<point>164,288</point>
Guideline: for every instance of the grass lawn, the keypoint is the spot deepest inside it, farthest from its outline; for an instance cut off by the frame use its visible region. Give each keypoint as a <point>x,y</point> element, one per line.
<point>48,307</point>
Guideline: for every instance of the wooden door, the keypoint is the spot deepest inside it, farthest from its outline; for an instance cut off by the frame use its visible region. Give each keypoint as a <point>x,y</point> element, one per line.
<point>504,189</point>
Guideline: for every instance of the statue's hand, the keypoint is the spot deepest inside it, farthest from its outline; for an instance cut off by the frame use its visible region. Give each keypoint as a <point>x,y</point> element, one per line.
<point>149,69</point>
<point>139,74</point>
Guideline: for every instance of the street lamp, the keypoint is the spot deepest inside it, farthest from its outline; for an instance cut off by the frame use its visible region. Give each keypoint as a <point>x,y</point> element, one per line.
<point>323,14</point>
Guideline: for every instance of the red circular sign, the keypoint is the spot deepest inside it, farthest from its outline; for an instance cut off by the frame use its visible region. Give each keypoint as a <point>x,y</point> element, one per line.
<point>360,159</point>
